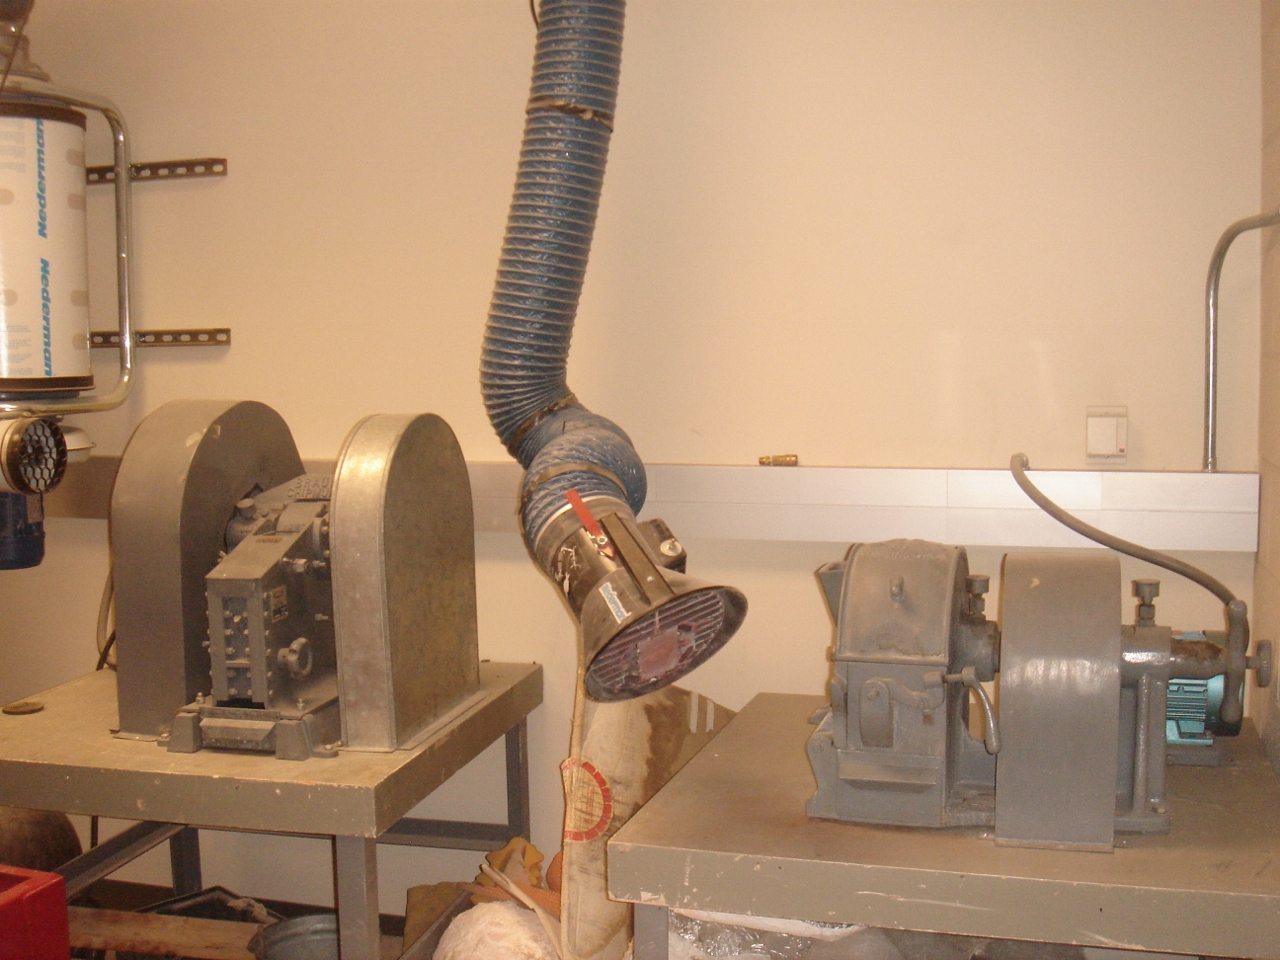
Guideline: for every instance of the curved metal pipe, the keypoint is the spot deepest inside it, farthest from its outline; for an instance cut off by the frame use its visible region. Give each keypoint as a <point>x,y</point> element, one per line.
<point>52,96</point>
<point>1211,330</point>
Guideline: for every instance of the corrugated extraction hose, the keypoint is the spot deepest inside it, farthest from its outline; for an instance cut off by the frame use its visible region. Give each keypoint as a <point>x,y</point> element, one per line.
<point>559,442</point>
<point>645,623</point>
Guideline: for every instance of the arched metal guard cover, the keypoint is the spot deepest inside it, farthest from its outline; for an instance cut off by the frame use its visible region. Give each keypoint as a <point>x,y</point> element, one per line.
<point>1059,701</point>
<point>404,598</point>
<point>185,468</point>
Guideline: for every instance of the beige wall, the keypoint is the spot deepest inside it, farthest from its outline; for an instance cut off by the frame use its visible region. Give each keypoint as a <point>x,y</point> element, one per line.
<point>920,234</point>
<point>1267,578</point>
<point>870,233</point>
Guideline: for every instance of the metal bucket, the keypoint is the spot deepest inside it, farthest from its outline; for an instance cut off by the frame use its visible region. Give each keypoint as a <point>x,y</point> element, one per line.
<point>302,938</point>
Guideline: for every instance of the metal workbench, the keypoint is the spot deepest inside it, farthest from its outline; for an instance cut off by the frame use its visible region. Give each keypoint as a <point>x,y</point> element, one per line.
<point>729,834</point>
<point>65,758</point>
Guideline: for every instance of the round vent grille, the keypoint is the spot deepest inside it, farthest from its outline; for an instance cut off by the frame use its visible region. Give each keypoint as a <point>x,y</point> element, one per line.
<point>664,645</point>
<point>33,455</point>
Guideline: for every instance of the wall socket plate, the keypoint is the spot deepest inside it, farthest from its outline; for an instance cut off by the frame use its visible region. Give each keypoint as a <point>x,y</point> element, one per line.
<point>1106,435</point>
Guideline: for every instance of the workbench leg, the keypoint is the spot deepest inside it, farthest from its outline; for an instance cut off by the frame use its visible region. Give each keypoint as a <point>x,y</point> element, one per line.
<point>355,871</point>
<point>184,861</point>
<point>650,927</point>
<point>518,778</point>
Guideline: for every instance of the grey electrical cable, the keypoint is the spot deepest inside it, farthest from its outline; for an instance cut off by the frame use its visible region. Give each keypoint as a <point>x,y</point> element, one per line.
<point>104,637</point>
<point>1019,463</point>
<point>105,645</point>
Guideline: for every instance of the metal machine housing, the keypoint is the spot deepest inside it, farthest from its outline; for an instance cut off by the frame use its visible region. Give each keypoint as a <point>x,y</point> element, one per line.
<point>1077,749</point>
<point>266,609</point>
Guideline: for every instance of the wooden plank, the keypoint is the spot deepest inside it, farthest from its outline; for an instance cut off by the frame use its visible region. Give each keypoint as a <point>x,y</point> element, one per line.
<point>158,934</point>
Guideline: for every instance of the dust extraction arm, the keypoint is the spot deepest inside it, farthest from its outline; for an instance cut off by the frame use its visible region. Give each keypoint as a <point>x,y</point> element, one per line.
<point>644,624</point>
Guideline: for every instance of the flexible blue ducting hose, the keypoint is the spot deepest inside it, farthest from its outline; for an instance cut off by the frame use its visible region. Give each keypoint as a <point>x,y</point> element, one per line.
<point>559,442</point>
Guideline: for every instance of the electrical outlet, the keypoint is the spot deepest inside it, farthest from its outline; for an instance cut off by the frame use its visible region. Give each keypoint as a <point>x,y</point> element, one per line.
<point>1106,436</point>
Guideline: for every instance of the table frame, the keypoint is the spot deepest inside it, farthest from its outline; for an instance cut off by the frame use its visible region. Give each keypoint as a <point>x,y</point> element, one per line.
<point>66,759</point>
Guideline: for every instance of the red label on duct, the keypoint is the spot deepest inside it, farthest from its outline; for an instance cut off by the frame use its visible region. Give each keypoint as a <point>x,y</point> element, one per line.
<point>588,800</point>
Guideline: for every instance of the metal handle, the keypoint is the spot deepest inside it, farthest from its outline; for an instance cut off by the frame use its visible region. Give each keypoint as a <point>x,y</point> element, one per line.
<point>969,677</point>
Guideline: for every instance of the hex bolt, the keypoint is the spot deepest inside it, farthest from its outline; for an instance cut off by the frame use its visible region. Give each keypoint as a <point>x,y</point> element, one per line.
<point>1146,591</point>
<point>977,585</point>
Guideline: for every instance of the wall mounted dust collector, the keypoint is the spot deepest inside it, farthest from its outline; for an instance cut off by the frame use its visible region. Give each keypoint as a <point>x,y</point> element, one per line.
<point>644,623</point>
<point>44,304</point>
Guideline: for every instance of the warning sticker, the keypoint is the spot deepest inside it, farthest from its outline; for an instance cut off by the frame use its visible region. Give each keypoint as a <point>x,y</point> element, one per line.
<point>278,604</point>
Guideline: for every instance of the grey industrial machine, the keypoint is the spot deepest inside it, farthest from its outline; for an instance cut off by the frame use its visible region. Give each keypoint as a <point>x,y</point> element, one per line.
<point>260,607</point>
<point>1077,749</point>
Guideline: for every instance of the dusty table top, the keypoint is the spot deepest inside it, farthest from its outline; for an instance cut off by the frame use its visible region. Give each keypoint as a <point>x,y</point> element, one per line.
<point>729,833</point>
<point>65,758</point>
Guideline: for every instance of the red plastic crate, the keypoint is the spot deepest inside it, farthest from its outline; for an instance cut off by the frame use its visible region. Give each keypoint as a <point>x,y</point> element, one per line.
<point>33,915</point>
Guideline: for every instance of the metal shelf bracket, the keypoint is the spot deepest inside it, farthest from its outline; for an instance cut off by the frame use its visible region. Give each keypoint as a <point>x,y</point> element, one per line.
<point>198,337</point>
<point>162,170</point>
